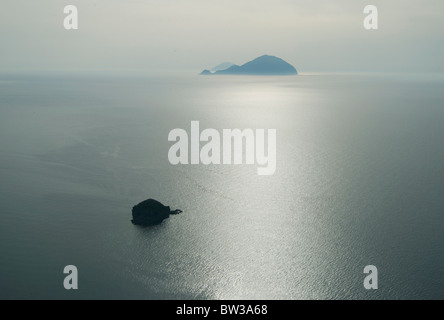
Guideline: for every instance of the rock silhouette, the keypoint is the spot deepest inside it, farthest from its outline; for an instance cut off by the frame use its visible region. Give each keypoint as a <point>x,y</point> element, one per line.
<point>151,212</point>
<point>222,66</point>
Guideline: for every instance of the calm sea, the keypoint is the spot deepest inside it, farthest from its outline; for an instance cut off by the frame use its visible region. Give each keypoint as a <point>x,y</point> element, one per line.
<point>359,181</point>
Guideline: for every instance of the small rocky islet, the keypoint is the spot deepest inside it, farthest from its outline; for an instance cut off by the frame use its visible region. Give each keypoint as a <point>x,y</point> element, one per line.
<point>151,212</point>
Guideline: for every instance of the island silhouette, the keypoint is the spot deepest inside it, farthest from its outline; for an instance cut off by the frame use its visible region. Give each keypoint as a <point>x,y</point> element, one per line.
<point>263,65</point>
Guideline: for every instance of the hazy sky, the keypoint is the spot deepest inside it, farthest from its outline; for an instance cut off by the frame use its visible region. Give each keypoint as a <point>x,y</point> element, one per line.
<point>315,35</point>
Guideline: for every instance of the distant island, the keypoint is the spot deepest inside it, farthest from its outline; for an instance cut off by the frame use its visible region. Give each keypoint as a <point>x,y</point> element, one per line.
<point>263,65</point>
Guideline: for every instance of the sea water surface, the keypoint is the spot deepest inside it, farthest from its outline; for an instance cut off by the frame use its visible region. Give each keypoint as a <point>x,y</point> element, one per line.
<point>359,181</point>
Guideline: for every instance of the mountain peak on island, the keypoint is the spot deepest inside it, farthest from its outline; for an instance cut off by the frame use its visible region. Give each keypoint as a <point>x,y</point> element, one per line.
<point>263,65</point>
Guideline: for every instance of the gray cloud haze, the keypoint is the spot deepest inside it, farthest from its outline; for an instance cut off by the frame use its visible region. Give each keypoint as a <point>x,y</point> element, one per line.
<point>196,34</point>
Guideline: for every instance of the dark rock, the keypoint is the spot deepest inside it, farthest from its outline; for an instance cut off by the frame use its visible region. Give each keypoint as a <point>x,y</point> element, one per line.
<point>151,212</point>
